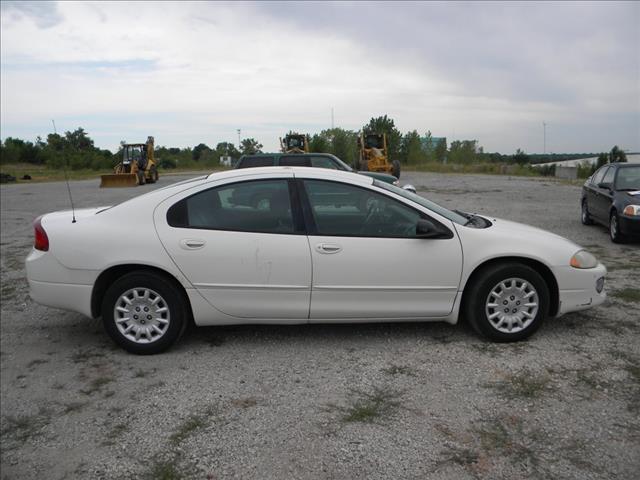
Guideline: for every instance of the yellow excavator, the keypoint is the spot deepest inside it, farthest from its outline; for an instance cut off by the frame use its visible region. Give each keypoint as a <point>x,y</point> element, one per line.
<point>138,166</point>
<point>294,143</point>
<point>374,155</point>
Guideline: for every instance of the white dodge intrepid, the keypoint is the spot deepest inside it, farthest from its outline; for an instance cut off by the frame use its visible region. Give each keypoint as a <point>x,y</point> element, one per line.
<point>301,245</point>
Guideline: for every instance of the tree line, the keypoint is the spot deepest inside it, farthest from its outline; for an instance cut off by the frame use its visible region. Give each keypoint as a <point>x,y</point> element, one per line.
<point>76,150</point>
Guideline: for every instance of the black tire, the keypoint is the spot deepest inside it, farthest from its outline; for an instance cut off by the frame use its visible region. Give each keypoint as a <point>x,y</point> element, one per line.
<point>477,300</point>
<point>140,177</point>
<point>585,217</point>
<point>170,297</point>
<point>153,174</point>
<point>614,228</point>
<point>395,171</point>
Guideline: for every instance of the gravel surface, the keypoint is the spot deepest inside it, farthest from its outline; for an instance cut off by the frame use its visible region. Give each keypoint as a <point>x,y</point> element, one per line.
<point>339,401</point>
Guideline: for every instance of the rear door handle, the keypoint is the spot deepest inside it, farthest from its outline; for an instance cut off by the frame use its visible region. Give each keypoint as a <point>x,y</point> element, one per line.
<point>192,243</point>
<point>328,248</point>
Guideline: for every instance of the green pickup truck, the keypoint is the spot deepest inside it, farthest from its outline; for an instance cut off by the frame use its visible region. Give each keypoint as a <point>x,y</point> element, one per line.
<point>319,160</point>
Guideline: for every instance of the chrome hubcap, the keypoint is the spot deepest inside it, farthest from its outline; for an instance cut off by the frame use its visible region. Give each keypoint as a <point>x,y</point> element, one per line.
<point>141,315</point>
<point>512,305</point>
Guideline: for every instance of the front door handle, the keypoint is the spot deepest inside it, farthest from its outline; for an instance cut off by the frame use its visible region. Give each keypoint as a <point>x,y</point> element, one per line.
<point>192,243</point>
<point>328,248</point>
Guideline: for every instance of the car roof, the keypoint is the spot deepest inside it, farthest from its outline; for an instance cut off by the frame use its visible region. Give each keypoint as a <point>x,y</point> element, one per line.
<point>299,172</point>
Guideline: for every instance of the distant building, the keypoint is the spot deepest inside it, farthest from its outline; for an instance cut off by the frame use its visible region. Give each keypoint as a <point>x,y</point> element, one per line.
<point>226,160</point>
<point>429,144</point>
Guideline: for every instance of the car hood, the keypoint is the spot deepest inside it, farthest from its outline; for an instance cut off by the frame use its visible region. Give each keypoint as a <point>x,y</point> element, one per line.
<point>628,198</point>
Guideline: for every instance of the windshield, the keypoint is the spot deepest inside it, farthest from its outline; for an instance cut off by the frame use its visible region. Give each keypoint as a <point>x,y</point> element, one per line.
<point>434,207</point>
<point>628,178</point>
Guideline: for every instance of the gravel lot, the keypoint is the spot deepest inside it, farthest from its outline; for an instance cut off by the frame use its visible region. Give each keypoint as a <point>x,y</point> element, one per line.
<point>364,401</point>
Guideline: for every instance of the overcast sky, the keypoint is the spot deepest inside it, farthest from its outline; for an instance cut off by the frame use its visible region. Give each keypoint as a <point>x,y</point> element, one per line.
<point>196,72</point>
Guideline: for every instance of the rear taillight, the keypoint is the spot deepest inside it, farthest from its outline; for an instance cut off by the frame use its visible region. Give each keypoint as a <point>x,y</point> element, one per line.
<point>41,241</point>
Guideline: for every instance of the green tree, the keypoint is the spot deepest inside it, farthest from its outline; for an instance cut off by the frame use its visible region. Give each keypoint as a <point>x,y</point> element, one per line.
<point>440,151</point>
<point>520,157</point>
<point>249,146</point>
<point>224,149</point>
<point>411,150</point>
<point>603,159</point>
<point>617,155</point>
<point>198,150</point>
<point>387,126</point>
<point>464,151</point>
<point>337,141</point>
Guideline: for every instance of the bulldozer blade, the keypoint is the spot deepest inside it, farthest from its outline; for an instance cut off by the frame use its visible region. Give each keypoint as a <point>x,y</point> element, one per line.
<point>118,180</point>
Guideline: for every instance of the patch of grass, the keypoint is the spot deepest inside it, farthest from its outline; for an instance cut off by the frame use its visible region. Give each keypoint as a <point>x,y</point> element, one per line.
<point>369,407</point>
<point>460,456</point>
<point>36,362</point>
<point>96,384</point>
<point>629,294</point>
<point>400,370</point>
<point>84,356</point>
<point>524,384</point>
<point>24,427</point>
<point>114,433</point>
<point>186,428</point>
<point>245,402</point>
<point>191,424</point>
<point>74,407</point>
<point>164,470</point>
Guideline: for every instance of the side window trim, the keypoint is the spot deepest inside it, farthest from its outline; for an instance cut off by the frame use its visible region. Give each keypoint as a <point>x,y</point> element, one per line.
<point>312,229</point>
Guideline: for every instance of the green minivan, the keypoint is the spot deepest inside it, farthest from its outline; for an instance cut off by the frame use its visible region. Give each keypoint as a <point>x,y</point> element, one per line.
<point>319,160</point>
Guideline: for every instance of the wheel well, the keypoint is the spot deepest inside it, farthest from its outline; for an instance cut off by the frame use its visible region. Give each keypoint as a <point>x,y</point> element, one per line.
<point>539,267</point>
<point>110,275</point>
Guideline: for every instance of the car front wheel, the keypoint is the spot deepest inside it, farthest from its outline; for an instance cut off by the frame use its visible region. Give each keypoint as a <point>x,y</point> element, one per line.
<point>614,228</point>
<point>144,313</point>
<point>507,302</point>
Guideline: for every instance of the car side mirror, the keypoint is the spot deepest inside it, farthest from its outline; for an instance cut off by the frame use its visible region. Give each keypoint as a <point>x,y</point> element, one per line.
<point>427,229</point>
<point>410,188</point>
<point>604,185</point>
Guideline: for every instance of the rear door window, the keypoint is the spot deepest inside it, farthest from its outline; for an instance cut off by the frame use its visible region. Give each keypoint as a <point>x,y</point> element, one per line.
<point>252,206</point>
<point>295,161</point>
<point>324,162</point>
<point>262,161</point>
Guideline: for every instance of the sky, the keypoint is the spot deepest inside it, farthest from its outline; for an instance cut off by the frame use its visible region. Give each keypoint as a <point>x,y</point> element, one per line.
<point>196,72</point>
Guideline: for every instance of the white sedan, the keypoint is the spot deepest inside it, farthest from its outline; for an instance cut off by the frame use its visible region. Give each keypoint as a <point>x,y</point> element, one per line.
<point>301,245</point>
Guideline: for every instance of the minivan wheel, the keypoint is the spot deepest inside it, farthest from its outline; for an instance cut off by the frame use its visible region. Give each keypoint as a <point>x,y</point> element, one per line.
<point>143,313</point>
<point>585,217</point>
<point>507,302</point>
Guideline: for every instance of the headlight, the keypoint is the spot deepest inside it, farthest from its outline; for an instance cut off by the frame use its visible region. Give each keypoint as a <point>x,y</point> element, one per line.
<point>632,210</point>
<point>583,259</point>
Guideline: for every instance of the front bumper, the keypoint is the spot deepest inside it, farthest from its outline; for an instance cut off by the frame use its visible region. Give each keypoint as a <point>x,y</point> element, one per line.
<point>578,288</point>
<point>629,225</point>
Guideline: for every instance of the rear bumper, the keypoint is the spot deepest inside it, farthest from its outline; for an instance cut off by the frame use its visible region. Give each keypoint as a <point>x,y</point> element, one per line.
<point>578,288</point>
<point>62,295</point>
<point>629,225</point>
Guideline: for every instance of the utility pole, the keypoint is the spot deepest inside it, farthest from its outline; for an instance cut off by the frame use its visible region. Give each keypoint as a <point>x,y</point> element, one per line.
<point>544,136</point>
<point>331,118</point>
<point>238,139</point>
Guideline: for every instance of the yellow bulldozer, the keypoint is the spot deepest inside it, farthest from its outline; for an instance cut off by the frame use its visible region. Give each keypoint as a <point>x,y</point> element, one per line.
<point>373,154</point>
<point>294,143</point>
<point>138,166</point>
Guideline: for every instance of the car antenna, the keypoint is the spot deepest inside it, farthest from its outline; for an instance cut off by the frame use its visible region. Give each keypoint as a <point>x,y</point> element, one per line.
<point>64,168</point>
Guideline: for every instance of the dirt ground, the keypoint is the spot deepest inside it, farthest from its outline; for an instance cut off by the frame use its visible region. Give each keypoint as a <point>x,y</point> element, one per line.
<point>327,402</point>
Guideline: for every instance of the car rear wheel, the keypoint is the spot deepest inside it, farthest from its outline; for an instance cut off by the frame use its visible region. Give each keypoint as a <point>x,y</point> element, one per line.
<point>507,302</point>
<point>144,313</point>
<point>614,228</point>
<point>586,217</point>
